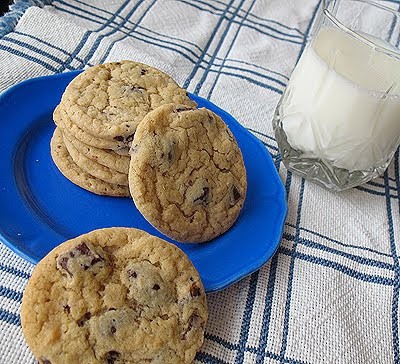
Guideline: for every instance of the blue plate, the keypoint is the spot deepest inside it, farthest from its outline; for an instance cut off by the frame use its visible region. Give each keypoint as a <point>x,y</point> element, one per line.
<point>40,208</point>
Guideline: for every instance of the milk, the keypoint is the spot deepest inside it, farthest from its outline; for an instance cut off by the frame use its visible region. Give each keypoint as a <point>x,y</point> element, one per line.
<point>342,102</point>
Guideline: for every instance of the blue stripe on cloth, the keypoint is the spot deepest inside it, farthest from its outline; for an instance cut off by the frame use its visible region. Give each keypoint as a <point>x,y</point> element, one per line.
<point>251,72</point>
<point>244,330</point>
<point>28,57</point>
<point>103,58</point>
<point>86,37</point>
<point>291,273</point>
<point>255,25</point>
<point>396,285</point>
<point>248,26</point>
<point>170,37</point>
<point>250,349</point>
<point>10,294</point>
<point>373,192</point>
<point>42,41</point>
<point>14,271</point>
<point>32,48</point>
<point>208,358</point>
<point>339,267</point>
<point>375,184</point>
<point>340,243</point>
<point>61,9</point>
<point>207,46</point>
<point>253,81</point>
<point>262,134</point>
<point>98,16</point>
<point>256,66</point>
<point>392,25</point>
<point>9,317</point>
<point>310,24</point>
<point>229,49</point>
<point>147,41</point>
<point>262,345</point>
<point>355,258</point>
<point>97,43</point>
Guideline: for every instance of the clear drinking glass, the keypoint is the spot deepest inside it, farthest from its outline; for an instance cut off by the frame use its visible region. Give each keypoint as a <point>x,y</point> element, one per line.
<point>338,121</point>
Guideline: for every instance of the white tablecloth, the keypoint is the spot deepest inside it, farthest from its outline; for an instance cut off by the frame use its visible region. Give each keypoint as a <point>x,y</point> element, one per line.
<point>331,293</point>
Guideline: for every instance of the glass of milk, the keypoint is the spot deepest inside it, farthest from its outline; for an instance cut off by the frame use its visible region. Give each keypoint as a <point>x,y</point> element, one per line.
<point>338,121</point>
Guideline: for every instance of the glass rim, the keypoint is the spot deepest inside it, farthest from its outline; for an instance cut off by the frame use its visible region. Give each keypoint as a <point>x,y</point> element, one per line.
<point>358,36</point>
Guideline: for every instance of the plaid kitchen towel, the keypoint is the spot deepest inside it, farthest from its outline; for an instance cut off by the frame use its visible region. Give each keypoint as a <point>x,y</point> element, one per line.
<point>331,293</point>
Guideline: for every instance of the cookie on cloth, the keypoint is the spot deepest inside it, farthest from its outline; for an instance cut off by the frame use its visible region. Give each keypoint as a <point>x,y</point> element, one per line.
<point>94,168</point>
<point>109,100</point>
<point>77,175</point>
<point>187,175</point>
<point>115,295</point>
<point>106,157</point>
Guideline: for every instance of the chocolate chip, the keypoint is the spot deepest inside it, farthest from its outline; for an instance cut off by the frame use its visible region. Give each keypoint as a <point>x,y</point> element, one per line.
<point>132,274</point>
<point>113,329</point>
<point>235,195</point>
<point>137,89</point>
<point>83,248</point>
<point>169,156</point>
<point>83,319</point>
<point>67,309</point>
<point>203,196</point>
<point>182,108</point>
<point>156,287</point>
<point>64,264</point>
<point>112,356</point>
<point>119,138</point>
<point>129,138</point>
<point>143,71</point>
<point>45,361</point>
<point>81,254</point>
<point>194,320</point>
<point>195,290</point>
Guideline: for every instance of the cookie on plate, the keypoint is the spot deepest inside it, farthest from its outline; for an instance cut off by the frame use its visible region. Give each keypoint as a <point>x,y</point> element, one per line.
<point>94,168</point>
<point>187,175</point>
<point>77,175</point>
<point>106,157</point>
<point>115,295</point>
<point>109,100</point>
<point>62,120</point>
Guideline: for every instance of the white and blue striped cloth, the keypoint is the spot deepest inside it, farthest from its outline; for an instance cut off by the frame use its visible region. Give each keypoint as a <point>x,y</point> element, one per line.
<point>331,293</point>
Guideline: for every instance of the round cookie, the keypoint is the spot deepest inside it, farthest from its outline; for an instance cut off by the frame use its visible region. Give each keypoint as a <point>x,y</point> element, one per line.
<point>115,295</point>
<point>105,157</point>
<point>109,100</point>
<point>77,175</point>
<point>95,169</point>
<point>62,120</point>
<point>187,175</point>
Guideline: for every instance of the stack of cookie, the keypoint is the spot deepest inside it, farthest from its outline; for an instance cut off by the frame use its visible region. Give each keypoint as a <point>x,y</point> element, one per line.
<point>184,170</point>
<point>97,118</point>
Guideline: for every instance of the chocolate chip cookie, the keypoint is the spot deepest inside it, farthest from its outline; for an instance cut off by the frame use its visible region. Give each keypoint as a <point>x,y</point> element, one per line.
<point>114,295</point>
<point>105,157</point>
<point>94,168</point>
<point>77,175</point>
<point>187,175</point>
<point>109,100</point>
